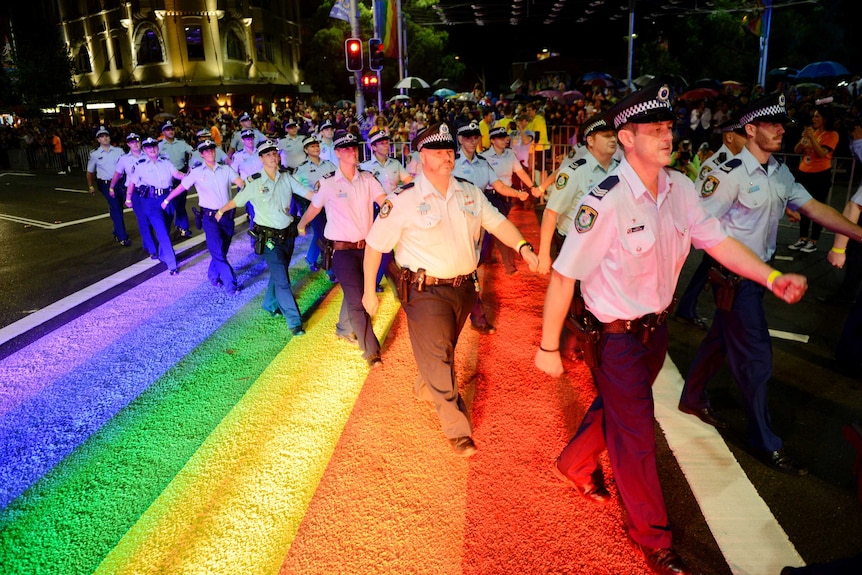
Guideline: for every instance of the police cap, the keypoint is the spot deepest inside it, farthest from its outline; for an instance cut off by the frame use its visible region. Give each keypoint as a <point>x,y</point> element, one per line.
<point>596,123</point>
<point>309,140</point>
<point>378,136</point>
<point>648,105</point>
<point>769,108</point>
<point>206,145</point>
<point>102,130</point>
<point>498,132</point>
<point>435,137</point>
<point>150,142</point>
<point>267,146</point>
<point>167,125</point>
<point>468,130</point>
<point>344,139</point>
<point>133,137</point>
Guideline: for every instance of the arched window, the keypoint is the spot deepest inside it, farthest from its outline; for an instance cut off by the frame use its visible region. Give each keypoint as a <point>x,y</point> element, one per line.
<point>149,48</point>
<point>235,46</point>
<point>82,60</point>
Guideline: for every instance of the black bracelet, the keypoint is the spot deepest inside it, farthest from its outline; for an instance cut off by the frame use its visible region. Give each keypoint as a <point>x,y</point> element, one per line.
<point>549,350</point>
<point>525,245</point>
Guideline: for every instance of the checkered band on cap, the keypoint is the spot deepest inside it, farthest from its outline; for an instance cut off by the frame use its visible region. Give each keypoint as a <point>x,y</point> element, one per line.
<point>325,125</point>
<point>132,137</point>
<point>731,127</point>
<point>246,134</point>
<point>309,140</point>
<point>642,104</point>
<point>244,117</point>
<point>498,132</point>
<point>437,137</point>
<point>345,140</point>
<point>472,128</point>
<point>766,107</point>
<point>150,142</point>
<point>267,146</point>
<point>205,133</point>
<point>597,123</point>
<point>378,136</point>
<point>167,126</point>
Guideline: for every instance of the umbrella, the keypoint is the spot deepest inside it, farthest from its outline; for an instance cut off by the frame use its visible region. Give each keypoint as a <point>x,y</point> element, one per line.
<point>805,86</point>
<point>707,83</point>
<point>643,81</point>
<point>699,94</point>
<point>549,94</point>
<point>412,82</point>
<point>600,82</point>
<point>783,72</point>
<point>444,92</point>
<point>570,96</point>
<point>595,76</point>
<point>465,97</point>
<point>121,122</point>
<point>344,104</point>
<point>825,69</point>
<point>672,80</point>
<point>444,83</point>
<point>399,98</point>
<point>162,116</point>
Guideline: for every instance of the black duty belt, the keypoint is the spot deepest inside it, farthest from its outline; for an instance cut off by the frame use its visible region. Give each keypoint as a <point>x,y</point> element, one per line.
<point>208,213</point>
<point>416,277</point>
<point>638,325</point>
<point>338,246</point>
<point>151,191</point>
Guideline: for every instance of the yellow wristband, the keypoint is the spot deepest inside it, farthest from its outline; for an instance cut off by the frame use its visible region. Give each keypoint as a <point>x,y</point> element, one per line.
<point>839,250</point>
<point>771,278</point>
<point>521,244</point>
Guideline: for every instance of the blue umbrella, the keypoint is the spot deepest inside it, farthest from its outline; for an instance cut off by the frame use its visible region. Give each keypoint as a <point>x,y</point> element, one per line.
<point>444,92</point>
<point>825,69</point>
<point>596,76</point>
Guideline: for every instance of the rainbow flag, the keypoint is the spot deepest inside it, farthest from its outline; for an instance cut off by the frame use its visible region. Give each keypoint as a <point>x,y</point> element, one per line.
<point>753,22</point>
<point>386,23</point>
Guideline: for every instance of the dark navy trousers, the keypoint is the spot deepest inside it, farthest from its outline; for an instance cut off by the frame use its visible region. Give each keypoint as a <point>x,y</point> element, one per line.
<point>157,219</point>
<point>278,294</point>
<point>347,266</point>
<point>115,208</point>
<point>219,235</point>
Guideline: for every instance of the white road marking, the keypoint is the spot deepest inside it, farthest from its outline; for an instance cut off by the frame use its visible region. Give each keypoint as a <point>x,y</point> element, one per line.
<point>788,335</point>
<point>745,529</point>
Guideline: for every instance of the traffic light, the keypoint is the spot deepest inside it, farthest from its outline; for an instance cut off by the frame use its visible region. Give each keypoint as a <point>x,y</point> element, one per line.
<point>369,82</point>
<point>353,54</point>
<point>375,54</point>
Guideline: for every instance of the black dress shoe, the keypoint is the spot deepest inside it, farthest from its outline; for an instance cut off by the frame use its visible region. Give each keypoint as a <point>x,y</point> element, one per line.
<point>593,490</point>
<point>349,338</point>
<point>314,267</point>
<point>664,560</point>
<point>484,328</point>
<point>706,415</point>
<point>463,446</point>
<point>174,272</point>
<point>375,361</point>
<point>297,331</point>
<point>780,461</point>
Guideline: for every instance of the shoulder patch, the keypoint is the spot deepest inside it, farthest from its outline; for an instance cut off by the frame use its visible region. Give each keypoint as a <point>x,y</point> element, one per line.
<point>572,153</point>
<point>703,172</point>
<point>730,165</point>
<point>709,186</point>
<point>585,219</point>
<point>404,187</point>
<point>604,186</point>
<point>385,209</point>
<point>562,180</point>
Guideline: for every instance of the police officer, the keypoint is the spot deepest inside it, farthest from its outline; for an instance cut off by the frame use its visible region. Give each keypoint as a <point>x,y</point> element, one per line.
<point>348,195</point>
<point>749,194</point>
<point>435,221</point>
<point>388,171</point>
<point>290,146</point>
<point>633,233</point>
<point>245,123</point>
<point>212,181</point>
<point>325,134</point>
<point>309,173</point>
<point>270,191</point>
<point>177,151</point>
<point>574,179</point>
<point>122,173</point>
<point>151,180</point>
<point>733,140</point>
<point>505,165</point>
<point>197,159</point>
<point>475,169</point>
<point>100,170</point>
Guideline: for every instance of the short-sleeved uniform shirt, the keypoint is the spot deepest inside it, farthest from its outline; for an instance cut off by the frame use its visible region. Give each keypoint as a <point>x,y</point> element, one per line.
<point>349,204</point>
<point>126,164</point>
<point>389,173</point>
<point>628,248</point>
<point>749,200</point>
<point>270,198</point>
<point>432,232</point>
<point>158,173</point>
<point>503,164</point>
<point>103,162</point>
<point>212,184</point>
<point>476,171</point>
<point>175,151</point>
<point>236,139</point>
<point>721,155</point>
<point>246,163</point>
<point>308,173</point>
<point>575,179</point>
<point>197,159</point>
<point>291,150</point>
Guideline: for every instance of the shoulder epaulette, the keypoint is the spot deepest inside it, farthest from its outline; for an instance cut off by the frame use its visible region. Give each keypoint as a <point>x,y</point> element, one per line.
<point>577,164</point>
<point>457,155</point>
<point>604,187</point>
<point>465,180</point>
<point>329,174</point>
<point>722,157</point>
<point>731,165</point>
<point>480,156</point>
<point>282,169</point>
<point>254,176</point>
<point>404,187</point>
<point>142,160</point>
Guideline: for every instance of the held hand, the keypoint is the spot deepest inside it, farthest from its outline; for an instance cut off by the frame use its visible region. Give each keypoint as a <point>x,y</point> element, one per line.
<point>164,205</point>
<point>792,215</point>
<point>537,192</point>
<point>549,362</point>
<point>370,302</point>
<point>523,196</point>
<point>531,258</point>
<point>790,287</point>
<point>837,260</point>
<point>544,264</point>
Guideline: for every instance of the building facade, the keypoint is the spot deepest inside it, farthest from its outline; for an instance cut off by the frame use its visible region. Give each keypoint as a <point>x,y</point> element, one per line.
<point>141,57</point>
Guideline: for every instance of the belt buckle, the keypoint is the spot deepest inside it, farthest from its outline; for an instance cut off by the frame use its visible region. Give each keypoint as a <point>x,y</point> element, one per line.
<point>628,325</point>
<point>457,281</point>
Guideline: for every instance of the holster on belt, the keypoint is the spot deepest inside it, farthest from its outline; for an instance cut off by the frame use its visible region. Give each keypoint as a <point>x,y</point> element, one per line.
<point>293,229</point>
<point>199,217</point>
<point>724,284</point>
<point>328,251</point>
<point>585,327</point>
<point>259,237</point>
<point>400,278</point>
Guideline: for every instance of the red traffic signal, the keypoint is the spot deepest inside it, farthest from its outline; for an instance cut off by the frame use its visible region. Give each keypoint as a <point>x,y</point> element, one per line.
<point>375,54</point>
<point>369,82</point>
<point>353,54</point>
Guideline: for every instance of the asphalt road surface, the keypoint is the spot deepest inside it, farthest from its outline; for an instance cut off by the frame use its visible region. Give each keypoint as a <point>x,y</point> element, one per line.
<point>57,240</point>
